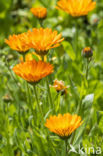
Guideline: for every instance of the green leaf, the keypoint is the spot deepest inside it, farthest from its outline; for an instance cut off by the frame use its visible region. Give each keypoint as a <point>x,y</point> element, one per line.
<point>88,100</point>
<point>87,105</point>
<point>69,50</point>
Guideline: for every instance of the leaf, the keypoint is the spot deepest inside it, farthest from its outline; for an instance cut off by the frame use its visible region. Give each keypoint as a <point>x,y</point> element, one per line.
<point>69,50</point>
<point>88,100</point>
<point>87,105</point>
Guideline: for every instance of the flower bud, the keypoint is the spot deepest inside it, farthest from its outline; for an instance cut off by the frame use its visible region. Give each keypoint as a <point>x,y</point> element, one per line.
<point>87,52</point>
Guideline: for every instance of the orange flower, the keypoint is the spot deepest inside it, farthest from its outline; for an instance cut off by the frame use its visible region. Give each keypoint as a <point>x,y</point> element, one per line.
<point>76,7</point>
<point>87,52</point>
<point>33,71</point>
<point>63,125</point>
<point>39,12</point>
<point>43,39</point>
<point>32,56</point>
<point>59,86</point>
<point>18,42</point>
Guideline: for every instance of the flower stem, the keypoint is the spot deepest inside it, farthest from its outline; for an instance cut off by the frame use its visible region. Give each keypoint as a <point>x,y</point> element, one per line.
<point>66,147</point>
<point>29,100</point>
<point>41,22</point>
<point>87,69</point>
<point>76,37</point>
<point>37,100</point>
<point>49,94</point>
<point>23,57</point>
<point>42,57</point>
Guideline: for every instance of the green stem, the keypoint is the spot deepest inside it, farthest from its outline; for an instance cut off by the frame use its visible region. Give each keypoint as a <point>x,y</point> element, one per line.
<point>23,57</point>
<point>42,57</point>
<point>76,37</point>
<point>41,22</point>
<point>78,112</point>
<point>49,94</point>
<point>87,69</point>
<point>66,147</point>
<point>37,100</point>
<point>29,100</point>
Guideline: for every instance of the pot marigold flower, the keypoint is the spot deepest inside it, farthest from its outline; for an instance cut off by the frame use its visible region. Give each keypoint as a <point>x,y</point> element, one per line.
<point>44,39</point>
<point>63,125</point>
<point>39,12</point>
<point>18,42</point>
<point>76,7</point>
<point>87,52</point>
<point>59,86</point>
<point>33,71</point>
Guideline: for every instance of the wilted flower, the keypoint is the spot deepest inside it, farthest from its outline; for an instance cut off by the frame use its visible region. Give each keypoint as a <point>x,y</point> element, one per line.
<point>39,12</point>
<point>33,71</point>
<point>60,87</point>
<point>63,125</point>
<point>18,42</point>
<point>43,39</point>
<point>87,52</point>
<point>76,7</point>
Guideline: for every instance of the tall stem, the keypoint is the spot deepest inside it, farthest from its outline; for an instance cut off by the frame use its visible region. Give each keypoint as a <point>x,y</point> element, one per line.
<point>36,96</point>
<point>76,37</point>
<point>49,94</point>
<point>29,100</point>
<point>23,55</point>
<point>41,22</point>
<point>42,57</point>
<point>87,69</point>
<point>66,147</point>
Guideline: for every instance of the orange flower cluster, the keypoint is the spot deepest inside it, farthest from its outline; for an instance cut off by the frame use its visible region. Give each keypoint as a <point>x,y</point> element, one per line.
<point>63,125</point>
<point>76,7</point>
<point>40,39</point>
<point>39,12</point>
<point>33,71</point>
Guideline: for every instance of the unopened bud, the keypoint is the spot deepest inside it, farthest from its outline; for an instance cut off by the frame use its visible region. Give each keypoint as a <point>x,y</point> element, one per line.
<point>87,52</point>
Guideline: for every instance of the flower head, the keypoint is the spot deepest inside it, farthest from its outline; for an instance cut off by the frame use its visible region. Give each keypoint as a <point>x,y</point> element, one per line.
<point>33,71</point>
<point>63,125</point>
<point>39,12</point>
<point>87,52</point>
<point>59,86</point>
<point>76,7</point>
<point>43,39</point>
<point>18,42</point>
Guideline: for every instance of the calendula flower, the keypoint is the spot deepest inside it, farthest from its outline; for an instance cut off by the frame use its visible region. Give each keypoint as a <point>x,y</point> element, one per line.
<point>43,39</point>
<point>60,87</point>
<point>63,125</point>
<point>87,52</point>
<point>33,71</point>
<point>18,42</point>
<point>32,56</point>
<point>39,12</point>
<point>76,7</point>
